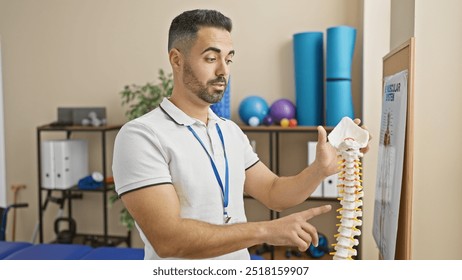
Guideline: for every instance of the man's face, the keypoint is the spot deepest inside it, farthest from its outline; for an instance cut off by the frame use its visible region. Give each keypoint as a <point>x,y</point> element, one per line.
<point>206,67</point>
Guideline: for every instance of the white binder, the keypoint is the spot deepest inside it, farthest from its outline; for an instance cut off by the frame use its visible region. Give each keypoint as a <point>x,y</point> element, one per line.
<point>64,163</point>
<point>47,170</point>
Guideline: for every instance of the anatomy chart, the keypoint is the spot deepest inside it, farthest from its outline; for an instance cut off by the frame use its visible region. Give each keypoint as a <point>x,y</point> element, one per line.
<point>390,164</point>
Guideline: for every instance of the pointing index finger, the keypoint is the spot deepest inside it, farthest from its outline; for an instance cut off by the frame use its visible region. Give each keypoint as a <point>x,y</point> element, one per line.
<point>313,212</point>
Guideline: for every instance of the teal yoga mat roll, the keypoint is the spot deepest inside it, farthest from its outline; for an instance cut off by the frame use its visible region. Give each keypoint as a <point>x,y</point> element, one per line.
<point>339,51</point>
<point>339,102</point>
<point>309,77</point>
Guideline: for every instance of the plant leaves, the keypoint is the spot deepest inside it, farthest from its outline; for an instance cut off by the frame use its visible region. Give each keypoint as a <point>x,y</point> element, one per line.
<point>141,99</point>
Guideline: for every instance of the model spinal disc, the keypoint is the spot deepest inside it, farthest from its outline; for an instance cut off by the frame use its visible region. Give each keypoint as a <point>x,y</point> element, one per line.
<point>348,138</point>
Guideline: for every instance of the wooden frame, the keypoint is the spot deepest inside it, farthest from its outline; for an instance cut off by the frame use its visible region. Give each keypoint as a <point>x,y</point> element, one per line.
<point>402,58</point>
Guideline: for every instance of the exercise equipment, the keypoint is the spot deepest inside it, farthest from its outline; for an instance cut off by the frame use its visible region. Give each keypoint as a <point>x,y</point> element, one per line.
<point>322,249</point>
<point>339,101</point>
<point>313,252</point>
<point>268,120</point>
<point>60,201</point>
<point>309,77</point>
<point>91,182</point>
<point>65,236</point>
<point>93,120</point>
<point>284,122</point>
<point>282,108</point>
<point>254,121</point>
<point>253,106</point>
<point>223,108</point>
<point>340,50</point>
<point>293,123</point>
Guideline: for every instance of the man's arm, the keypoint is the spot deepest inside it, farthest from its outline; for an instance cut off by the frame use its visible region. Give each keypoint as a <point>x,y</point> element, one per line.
<point>157,211</point>
<point>279,193</point>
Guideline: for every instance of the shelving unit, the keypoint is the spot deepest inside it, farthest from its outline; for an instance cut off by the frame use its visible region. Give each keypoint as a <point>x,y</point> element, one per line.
<point>67,195</point>
<point>274,133</point>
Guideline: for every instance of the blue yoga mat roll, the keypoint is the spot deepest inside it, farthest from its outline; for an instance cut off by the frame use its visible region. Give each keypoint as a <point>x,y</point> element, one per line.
<point>340,49</point>
<point>223,108</point>
<point>339,102</point>
<point>309,77</point>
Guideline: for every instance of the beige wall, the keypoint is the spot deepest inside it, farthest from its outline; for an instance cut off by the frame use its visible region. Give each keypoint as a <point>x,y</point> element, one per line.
<point>402,22</point>
<point>376,46</point>
<point>436,26</point>
<point>82,53</point>
<point>438,130</point>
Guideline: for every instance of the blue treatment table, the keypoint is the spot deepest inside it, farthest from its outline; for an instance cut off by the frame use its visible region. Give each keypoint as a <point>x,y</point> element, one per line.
<point>51,252</point>
<point>29,251</point>
<point>115,253</point>
<point>7,248</point>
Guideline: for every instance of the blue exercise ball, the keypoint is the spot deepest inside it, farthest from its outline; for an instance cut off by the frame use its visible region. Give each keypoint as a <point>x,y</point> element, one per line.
<point>253,106</point>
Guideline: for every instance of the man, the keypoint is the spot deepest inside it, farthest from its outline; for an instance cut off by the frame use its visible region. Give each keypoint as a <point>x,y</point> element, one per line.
<point>181,171</point>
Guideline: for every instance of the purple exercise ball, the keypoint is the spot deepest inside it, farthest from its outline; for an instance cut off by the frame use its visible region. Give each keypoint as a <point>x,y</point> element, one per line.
<point>282,108</point>
<point>268,120</point>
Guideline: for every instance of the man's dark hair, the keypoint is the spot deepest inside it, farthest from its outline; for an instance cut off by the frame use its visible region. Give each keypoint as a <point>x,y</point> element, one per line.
<point>184,27</point>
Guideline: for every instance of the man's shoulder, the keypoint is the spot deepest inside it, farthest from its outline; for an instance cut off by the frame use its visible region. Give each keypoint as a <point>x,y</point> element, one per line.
<point>229,123</point>
<point>153,118</point>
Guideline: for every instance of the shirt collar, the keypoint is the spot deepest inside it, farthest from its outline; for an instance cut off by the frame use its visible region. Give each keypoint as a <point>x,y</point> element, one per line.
<point>181,117</point>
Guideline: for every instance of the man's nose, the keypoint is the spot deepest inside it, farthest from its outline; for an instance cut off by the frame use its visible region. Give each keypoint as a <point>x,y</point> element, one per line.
<point>222,69</point>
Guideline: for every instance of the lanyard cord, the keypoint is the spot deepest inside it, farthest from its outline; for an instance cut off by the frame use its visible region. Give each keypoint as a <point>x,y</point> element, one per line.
<point>225,188</point>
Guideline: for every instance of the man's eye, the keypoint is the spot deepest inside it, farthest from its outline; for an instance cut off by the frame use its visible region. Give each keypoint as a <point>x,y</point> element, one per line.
<point>210,59</point>
<point>229,61</point>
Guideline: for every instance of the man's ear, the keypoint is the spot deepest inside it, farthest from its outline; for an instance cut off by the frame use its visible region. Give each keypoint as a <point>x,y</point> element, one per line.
<point>176,59</point>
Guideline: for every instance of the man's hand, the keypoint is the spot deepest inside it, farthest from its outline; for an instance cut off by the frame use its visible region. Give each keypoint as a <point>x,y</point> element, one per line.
<point>294,230</point>
<point>326,156</point>
<point>326,160</point>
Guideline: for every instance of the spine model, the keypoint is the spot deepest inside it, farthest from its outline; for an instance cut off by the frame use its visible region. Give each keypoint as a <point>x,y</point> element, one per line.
<point>350,196</point>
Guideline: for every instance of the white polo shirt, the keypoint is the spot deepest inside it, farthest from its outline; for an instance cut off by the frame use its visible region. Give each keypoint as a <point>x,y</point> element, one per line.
<point>158,148</point>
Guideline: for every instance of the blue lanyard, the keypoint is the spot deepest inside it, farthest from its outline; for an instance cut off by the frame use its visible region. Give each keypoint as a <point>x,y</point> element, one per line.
<point>224,189</point>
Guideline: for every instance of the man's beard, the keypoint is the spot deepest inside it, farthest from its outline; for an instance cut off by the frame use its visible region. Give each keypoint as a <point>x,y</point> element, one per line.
<point>194,85</point>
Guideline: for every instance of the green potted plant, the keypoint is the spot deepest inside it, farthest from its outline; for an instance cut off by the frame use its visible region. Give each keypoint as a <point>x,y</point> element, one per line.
<point>141,99</point>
